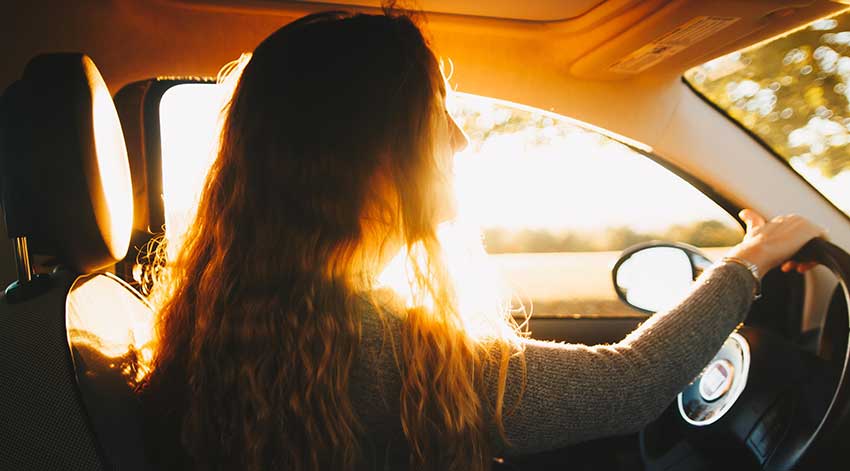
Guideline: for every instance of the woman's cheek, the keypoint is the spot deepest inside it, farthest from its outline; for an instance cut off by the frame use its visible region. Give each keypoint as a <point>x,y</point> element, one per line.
<point>444,195</point>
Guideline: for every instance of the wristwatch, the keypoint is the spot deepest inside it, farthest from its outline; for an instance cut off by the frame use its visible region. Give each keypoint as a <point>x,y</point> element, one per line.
<point>754,270</point>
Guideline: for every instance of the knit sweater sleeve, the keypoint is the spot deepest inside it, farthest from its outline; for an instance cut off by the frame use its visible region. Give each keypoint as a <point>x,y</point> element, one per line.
<point>573,392</point>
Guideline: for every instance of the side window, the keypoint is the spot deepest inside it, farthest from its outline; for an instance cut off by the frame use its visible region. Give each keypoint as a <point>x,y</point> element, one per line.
<point>188,117</point>
<point>556,201</point>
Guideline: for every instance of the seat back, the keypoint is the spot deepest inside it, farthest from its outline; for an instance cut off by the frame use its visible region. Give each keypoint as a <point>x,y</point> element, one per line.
<point>109,332</point>
<point>43,424</point>
<point>66,387</point>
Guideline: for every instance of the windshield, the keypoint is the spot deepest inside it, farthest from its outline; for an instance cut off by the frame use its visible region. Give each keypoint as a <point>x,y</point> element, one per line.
<point>792,92</point>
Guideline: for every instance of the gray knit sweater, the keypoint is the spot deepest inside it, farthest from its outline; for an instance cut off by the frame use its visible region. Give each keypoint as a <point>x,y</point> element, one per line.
<point>573,392</point>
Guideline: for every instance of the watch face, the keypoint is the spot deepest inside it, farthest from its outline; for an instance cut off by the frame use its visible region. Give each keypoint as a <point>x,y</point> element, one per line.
<point>714,392</point>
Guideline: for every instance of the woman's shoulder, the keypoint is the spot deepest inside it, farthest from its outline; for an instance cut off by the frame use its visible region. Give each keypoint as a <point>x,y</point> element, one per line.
<point>375,378</point>
<point>381,314</point>
<point>380,307</point>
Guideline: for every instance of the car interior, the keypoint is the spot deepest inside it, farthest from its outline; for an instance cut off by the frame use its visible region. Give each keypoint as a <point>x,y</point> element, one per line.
<point>86,147</point>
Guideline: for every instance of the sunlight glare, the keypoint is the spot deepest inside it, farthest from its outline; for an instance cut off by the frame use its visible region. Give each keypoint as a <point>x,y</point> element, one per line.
<point>190,120</point>
<point>836,188</point>
<point>512,181</point>
<point>91,306</point>
<point>113,169</point>
<point>483,296</point>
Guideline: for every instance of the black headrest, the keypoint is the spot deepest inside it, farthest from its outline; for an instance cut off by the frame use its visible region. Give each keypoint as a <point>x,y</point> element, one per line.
<point>64,174</point>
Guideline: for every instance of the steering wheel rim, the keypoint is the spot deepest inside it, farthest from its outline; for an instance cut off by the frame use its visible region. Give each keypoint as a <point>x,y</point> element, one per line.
<point>789,403</point>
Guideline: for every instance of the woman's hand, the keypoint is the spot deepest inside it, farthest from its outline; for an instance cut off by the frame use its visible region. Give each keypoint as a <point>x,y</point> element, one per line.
<point>769,244</point>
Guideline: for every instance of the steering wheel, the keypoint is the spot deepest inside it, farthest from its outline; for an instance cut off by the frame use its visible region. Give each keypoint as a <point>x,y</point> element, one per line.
<point>763,401</point>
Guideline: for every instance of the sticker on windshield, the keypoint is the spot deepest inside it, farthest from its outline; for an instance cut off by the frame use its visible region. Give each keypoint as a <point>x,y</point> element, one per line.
<point>672,43</point>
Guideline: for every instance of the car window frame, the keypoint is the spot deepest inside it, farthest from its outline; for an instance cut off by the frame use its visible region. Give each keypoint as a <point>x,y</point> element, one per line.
<point>151,140</point>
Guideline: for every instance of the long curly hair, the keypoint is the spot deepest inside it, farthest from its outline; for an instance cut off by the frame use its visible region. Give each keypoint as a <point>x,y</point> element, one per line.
<point>326,156</point>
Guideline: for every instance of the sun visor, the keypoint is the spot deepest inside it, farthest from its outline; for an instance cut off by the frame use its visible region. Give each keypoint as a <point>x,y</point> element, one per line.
<point>683,34</point>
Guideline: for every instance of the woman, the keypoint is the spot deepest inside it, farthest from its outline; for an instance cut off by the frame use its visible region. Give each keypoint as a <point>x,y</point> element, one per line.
<point>274,350</point>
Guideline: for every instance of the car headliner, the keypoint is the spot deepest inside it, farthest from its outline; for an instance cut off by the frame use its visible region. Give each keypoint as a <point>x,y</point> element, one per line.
<point>564,65</point>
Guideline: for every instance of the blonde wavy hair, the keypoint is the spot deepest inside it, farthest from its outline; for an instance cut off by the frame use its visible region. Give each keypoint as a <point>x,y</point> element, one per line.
<point>326,157</point>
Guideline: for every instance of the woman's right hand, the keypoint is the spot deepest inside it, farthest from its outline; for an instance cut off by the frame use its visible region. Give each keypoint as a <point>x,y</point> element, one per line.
<point>769,244</point>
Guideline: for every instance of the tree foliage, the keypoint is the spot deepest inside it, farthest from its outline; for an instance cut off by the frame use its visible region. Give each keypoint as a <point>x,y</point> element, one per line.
<point>701,234</point>
<point>792,92</point>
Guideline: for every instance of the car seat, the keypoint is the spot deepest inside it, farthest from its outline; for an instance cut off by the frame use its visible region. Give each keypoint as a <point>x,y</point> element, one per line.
<point>72,335</point>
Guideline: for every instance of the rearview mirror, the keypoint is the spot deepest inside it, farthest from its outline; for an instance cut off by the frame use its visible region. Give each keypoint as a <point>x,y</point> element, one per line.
<point>655,276</point>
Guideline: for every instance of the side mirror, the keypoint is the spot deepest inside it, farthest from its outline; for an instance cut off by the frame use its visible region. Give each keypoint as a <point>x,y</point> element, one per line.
<point>654,276</point>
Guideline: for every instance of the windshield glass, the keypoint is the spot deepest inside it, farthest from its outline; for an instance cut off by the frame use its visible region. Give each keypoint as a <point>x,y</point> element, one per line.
<point>792,92</point>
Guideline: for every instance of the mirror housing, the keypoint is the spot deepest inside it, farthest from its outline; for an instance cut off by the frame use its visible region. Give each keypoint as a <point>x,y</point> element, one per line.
<point>656,275</point>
